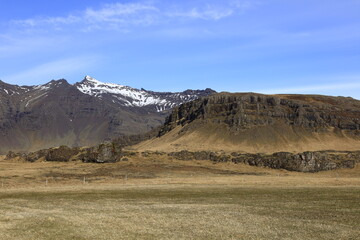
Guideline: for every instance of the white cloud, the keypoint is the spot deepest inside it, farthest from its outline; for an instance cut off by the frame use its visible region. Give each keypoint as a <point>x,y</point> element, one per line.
<point>208,13</point>
<point>34,22</point>
<point>122,15</point>
<point>111,11</point>
<point>215,11</point>
<point>52,70</point>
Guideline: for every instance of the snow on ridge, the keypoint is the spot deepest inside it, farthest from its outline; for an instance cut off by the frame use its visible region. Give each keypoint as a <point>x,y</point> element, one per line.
<point>95,81</point>
<point>130,96</point>
<point>42,87</point>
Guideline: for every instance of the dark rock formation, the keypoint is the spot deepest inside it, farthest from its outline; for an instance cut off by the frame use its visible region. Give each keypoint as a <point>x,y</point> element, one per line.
<point>34,156</point>
<point>243,111</point>
<point>30,157</point>
<point>103,153</point>
<point>301,162</point>
<point>111,152</point>
<point>61,154</point>
<point>11,155</point>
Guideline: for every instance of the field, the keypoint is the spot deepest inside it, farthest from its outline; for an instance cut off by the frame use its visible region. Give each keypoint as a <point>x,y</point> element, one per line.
<point>167,199</point>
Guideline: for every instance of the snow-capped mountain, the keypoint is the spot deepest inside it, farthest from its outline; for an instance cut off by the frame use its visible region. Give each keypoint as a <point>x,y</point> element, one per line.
<point>84,113</point>
<point>132,97</point>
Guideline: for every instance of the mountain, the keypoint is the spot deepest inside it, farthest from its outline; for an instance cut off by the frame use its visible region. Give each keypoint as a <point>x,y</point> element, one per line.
<point>132,97</point>
<point>256,123</point>
<point>85,113</point>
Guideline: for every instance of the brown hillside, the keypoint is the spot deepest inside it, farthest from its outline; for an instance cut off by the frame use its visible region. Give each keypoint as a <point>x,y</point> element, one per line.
<point>251,122</point>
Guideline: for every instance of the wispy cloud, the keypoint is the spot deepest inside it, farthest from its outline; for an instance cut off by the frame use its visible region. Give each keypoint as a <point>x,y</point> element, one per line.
<point>122,15</point>
<point>348,83</point>
<point>52,70</point>
<point>108,15</point>
<point>215,11</point>
<point>206,13</point>
<point>117,12</point>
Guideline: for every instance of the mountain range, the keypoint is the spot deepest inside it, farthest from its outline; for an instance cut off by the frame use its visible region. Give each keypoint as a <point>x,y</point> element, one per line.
<point>306,133</point>
<point>81,114</point>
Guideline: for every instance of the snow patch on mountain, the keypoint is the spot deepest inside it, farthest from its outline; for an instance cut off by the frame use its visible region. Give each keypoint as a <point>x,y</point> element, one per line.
<point>42,87</point>
<point>127,95</point>
<point>133,97</point>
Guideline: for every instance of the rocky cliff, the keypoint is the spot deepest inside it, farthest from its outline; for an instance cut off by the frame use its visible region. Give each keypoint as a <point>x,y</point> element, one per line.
<point>253,122</point>
<point>244,111</point>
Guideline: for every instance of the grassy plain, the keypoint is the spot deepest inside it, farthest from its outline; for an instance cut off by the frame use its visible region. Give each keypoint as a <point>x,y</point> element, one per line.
<point>158,198</point>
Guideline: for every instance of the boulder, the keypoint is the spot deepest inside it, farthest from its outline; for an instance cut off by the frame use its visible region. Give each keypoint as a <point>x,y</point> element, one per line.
<point>61,154</point>
<point>103,153</point>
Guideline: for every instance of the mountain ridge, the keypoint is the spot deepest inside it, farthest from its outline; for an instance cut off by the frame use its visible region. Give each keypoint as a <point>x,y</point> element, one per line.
<point>58,113</point>
<point>132,97</point>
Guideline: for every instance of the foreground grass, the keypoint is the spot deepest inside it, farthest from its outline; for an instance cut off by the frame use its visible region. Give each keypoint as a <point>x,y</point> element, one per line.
<point>182,212</point>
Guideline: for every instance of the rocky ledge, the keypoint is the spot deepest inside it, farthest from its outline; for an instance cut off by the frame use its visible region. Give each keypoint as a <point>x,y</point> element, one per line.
<point>111,152</point>
<point>107,152</point>
<point>301,162</point>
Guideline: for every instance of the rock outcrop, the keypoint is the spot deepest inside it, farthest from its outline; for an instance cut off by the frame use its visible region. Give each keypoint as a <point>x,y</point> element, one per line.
<point>104,153</point>
<point>248,110</point>
<point>61,154</point>
<point>111,152</point>
<point>301,162</point>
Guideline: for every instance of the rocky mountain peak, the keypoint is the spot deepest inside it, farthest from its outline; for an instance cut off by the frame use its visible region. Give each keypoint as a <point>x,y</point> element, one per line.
<point>89,78</point>
<point>133,97</point>
<point>90,81</point>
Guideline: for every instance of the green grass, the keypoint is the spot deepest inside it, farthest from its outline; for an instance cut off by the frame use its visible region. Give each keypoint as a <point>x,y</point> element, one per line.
<point>178,212</point>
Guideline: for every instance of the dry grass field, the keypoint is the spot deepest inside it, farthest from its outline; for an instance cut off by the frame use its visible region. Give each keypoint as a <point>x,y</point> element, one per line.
<point>159,198</point>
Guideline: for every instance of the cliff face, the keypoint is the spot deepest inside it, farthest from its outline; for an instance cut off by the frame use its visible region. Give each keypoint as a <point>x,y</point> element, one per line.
<point>245,111</point>
<point>253,122</point>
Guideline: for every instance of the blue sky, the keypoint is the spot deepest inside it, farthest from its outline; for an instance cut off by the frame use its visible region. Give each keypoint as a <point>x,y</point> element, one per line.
<point>268,46</point>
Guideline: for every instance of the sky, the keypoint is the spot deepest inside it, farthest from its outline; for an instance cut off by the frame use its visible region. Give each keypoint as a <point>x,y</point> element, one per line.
<point>266,46</point>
